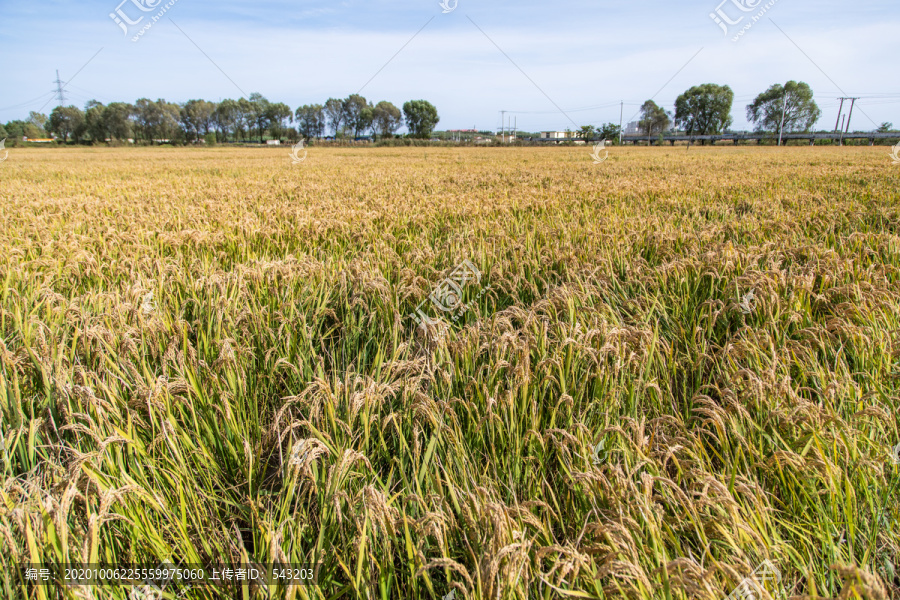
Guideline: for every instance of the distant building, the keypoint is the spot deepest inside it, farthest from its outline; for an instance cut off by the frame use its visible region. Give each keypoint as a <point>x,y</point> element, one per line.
<point>273,142</point>
<point>632,128</point>
<point>557,135</point>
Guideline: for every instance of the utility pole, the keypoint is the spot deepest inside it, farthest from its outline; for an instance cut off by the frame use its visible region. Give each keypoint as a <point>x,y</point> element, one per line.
<point>850,116</point>
<point>59,90</point>
<point>783,110</point>
<point>515,127</point>
<point>841,141</point>
<point>838,120</point>
<point>502,125</point>
<point>621,116</point>
<point>840,116</point>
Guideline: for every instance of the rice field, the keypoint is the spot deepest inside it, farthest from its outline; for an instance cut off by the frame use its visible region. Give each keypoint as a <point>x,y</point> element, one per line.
<point>660,372</point>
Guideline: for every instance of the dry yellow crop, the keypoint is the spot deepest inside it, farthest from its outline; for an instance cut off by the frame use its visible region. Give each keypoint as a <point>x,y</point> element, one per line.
<point>636,379</point>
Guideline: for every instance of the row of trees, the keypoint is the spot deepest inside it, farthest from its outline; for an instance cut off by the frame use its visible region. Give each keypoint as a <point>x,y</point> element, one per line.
<point>706,110</point>
<point>244,119</point>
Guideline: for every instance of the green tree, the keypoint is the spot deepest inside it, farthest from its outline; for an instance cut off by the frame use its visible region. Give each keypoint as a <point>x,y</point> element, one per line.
<point>197,118</point>
<point>244,117</point>
<point>279,115</point>
<point>117,121</point>
<point>311,120</point>
<point>587,132</point>
<point>169,128</point>
<point>40,121</point>
<point>357,113</point>
<point>886,127</point>
<point>16,129</point>
<point>654,118</point>
<point>794,100</point>
<point>386,118</point>
<point>421,117</point>
<point>704,109</point>
<point>259,113</point>
<point>334,111</point>
<point>93,117</point>
<point>366,118</point>
<point>225,118</point>
<point>158,120</point>
<point>65,121</point>
<point>3,133</point>
<point>610,132</point>
<point>145,117</point>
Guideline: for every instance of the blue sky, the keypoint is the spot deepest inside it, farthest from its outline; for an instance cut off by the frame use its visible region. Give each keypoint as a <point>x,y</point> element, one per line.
<point>485,56</point>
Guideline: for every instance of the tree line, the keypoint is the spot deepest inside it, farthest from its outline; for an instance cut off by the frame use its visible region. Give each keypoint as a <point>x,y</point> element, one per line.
<point>243,120</point>
<point>706,110</point>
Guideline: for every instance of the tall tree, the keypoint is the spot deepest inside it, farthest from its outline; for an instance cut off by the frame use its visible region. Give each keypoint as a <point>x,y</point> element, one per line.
<point>357,116</point>
<point>225,118</point>
<point>117,120</point>
<point>169,128</point>
<point>421,117</point>
<point>197,117</point>
<point>244,117</point>
<point>15,129</point>
<point>93,117</point>
<point>145,119</point>
<point>654,118</point>
<point>259,111</point>
<point>793,100</point>
<point>311,120</point>
<point>704,109</point>
<point>157,120</point>
<point>334,110</point>
<point>386,118</point>
<point>279,116</point>
<point>39,120</point>
<point>65,121</point>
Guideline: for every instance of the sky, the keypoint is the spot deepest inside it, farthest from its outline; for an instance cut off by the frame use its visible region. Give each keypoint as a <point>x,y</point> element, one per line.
<point>550,65</point>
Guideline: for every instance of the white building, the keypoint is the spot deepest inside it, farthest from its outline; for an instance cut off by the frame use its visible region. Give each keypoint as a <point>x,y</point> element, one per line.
<point>557,135</point>
<point>632,128</point>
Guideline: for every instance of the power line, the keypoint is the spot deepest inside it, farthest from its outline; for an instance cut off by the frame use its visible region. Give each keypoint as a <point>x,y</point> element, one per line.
<point>32,101</point>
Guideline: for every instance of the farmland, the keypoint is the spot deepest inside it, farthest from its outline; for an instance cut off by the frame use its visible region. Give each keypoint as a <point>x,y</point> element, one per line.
<point>674,365</point>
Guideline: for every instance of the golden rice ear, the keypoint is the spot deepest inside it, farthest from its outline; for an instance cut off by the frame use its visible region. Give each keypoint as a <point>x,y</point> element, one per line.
<point>214,360</point>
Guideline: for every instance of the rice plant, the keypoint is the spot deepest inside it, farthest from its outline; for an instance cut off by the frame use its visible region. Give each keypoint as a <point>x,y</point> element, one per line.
<point>673,368</point>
